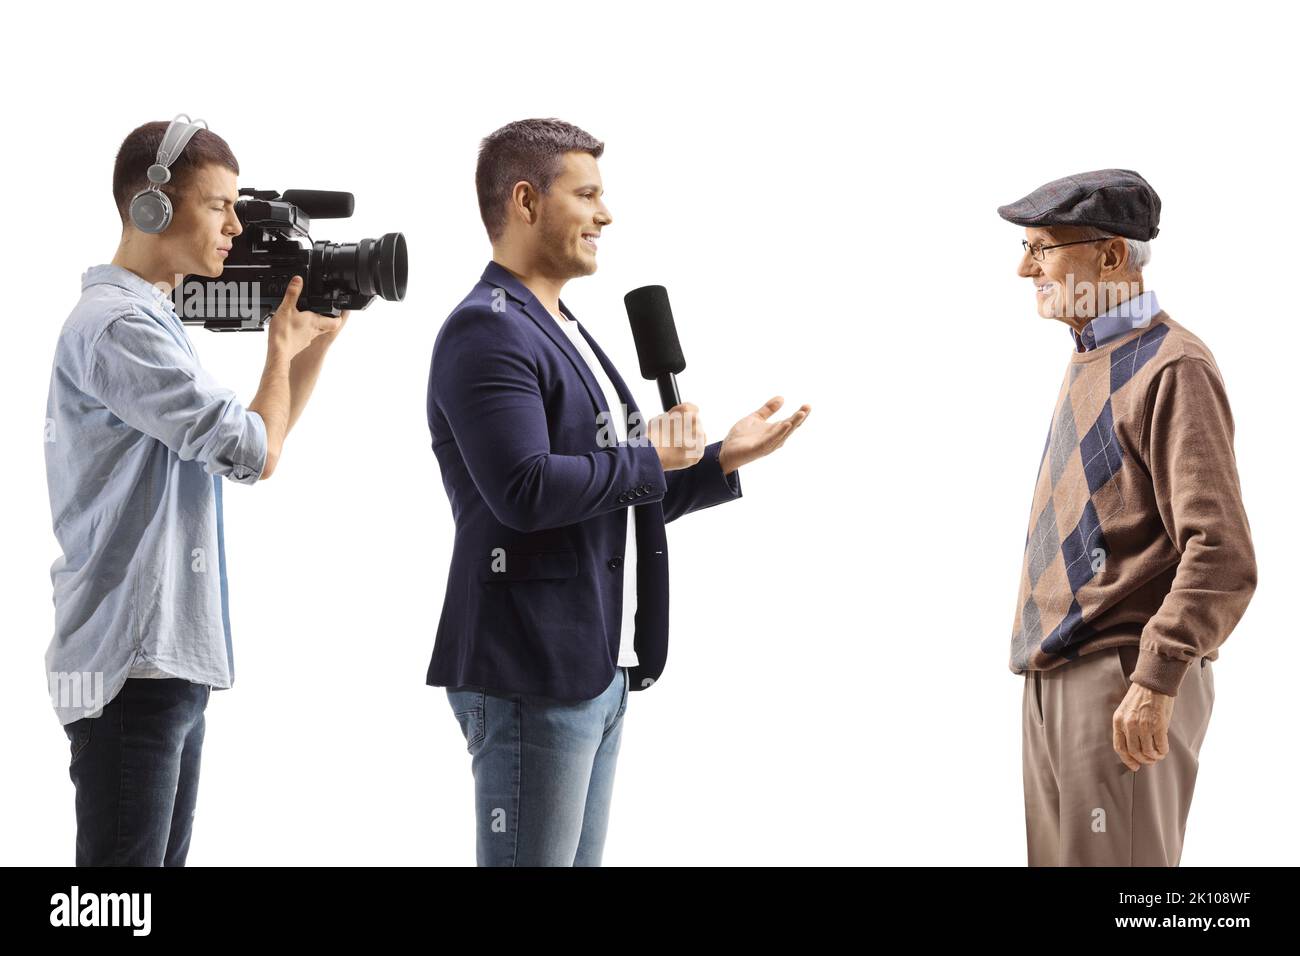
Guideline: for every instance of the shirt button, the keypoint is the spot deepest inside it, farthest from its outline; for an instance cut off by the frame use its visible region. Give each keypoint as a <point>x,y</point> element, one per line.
<point>615,563</point>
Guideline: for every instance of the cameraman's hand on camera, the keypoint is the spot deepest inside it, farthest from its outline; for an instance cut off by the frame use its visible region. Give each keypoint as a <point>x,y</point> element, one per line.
<point>678,436</point>
<point>291,330</point>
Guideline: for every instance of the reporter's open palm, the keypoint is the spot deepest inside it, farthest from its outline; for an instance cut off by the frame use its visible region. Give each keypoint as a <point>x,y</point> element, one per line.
<point>755,436</point>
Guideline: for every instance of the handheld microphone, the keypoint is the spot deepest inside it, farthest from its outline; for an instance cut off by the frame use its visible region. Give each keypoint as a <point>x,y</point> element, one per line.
<point>655,335</point>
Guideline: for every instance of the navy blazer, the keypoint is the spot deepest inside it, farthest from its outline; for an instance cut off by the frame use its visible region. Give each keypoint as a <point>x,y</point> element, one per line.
<point>534,598</point>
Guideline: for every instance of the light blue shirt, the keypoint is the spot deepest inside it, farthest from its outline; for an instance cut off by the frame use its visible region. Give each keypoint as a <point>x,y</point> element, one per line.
<point>1134,313</point>
<point>137,438</point>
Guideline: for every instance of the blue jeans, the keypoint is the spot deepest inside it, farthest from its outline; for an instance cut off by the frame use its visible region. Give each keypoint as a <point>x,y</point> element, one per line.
<point>543,772</point>
<point>136,771</point>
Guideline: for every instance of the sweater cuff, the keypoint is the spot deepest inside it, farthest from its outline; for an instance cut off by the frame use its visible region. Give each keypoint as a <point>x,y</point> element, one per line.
<point>1159,673</point>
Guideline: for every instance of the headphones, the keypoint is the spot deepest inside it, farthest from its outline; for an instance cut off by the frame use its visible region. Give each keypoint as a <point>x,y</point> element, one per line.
<point>151,209</point>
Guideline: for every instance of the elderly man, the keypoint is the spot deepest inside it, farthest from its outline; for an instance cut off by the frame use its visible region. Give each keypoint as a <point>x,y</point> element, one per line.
<point>1138,559</point>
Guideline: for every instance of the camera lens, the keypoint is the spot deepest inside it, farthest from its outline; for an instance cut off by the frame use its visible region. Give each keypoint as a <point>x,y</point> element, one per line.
<point>390,266</point>
<point>372,266</point>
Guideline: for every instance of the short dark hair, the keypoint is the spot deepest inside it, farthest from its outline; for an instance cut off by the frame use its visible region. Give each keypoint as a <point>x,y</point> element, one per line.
<point>530,150</point>
<point>139,151</point>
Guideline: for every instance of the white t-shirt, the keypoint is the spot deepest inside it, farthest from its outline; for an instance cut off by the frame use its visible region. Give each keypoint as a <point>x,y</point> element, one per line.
<point>626,653</point>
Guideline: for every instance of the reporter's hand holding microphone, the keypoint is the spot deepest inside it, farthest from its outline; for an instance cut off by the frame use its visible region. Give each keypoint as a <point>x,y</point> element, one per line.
<point>678,436</point>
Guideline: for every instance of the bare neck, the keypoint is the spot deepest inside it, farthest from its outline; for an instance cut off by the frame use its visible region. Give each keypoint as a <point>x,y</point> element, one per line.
<point>132,257</point>
<point>534,278</point>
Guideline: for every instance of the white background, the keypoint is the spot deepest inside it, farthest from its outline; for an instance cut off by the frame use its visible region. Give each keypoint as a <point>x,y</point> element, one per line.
<point>816,185</point>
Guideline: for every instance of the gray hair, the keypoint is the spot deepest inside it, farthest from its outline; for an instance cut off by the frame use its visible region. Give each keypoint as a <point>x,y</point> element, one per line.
<point>1139,250</point>
<point>1139,253</point>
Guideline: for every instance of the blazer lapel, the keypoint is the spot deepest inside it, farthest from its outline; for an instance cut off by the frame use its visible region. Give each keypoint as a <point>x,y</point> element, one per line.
<point>537,312</point>
<point>498,276</point>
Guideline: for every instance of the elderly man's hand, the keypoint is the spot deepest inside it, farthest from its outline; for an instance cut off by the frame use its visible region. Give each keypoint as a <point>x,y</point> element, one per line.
<point>1141,725</point>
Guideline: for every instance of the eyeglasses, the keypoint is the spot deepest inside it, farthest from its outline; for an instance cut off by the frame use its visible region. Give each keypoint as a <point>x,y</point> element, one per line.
<point>1039,251</point>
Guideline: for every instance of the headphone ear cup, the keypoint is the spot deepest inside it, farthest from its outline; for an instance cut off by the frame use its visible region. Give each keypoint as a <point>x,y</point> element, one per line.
<point>151,211</point>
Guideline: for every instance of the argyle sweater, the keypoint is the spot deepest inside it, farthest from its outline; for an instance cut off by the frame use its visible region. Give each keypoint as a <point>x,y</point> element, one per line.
<point>1137,533</point>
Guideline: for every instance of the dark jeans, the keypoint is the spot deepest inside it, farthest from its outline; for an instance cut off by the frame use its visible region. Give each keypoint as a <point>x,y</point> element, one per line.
<point>136,770</point>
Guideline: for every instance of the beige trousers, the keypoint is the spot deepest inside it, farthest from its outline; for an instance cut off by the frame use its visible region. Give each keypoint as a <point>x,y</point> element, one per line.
<point>1083,807</point>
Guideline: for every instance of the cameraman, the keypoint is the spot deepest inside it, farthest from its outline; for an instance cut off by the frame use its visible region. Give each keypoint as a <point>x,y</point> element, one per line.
<point>137,439</point>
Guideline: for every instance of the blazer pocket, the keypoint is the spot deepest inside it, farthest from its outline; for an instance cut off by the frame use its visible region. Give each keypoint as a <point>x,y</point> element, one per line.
<point>510,566</point>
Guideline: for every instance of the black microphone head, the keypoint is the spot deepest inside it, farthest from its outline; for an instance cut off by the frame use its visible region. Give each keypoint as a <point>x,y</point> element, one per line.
<point>654,331</point>
<point>321,203</point>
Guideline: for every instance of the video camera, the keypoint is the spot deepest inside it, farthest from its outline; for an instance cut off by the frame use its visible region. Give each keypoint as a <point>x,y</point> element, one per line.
<point>274,247</point>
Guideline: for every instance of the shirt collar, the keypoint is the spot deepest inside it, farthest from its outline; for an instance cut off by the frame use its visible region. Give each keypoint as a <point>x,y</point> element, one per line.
<point>1134,313</point>
<point>109,274</point>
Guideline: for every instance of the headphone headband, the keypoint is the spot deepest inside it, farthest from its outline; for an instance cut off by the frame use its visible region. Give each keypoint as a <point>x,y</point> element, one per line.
<point>173,144</point>
<point>151,209</point>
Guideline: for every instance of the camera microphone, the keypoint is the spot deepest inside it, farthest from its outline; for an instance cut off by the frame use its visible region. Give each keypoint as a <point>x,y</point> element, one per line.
<point>321,203</point>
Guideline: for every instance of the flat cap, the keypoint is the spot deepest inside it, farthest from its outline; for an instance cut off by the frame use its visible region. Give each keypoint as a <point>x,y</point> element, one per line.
<point>1118,201</point>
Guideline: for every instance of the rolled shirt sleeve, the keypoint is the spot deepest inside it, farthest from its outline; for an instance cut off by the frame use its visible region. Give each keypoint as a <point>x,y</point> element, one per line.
<point>148,380</point>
